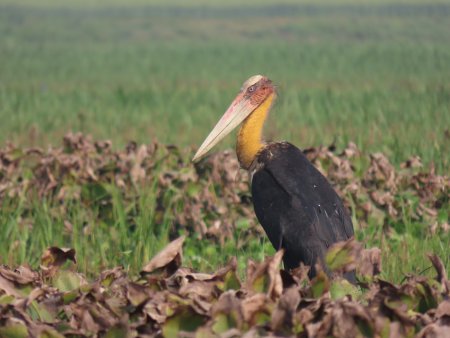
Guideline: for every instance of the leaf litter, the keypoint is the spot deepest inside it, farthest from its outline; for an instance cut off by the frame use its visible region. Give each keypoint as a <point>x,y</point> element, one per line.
<point>210,198</point>
<point>170,300</point>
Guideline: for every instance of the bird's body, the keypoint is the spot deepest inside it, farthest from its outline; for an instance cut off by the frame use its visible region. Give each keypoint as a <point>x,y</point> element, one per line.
<point>296,205</point>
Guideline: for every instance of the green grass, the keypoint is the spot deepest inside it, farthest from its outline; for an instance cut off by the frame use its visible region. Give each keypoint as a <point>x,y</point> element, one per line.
<point>125,232</point>
<point>118,239</point>
<point>376,74</point>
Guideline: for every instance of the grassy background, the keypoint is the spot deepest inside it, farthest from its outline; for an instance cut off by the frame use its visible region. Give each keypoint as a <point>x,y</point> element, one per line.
<point>376,73</point>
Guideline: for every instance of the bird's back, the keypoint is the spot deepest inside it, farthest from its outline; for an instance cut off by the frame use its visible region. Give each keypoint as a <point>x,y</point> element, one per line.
<point>297,207</point>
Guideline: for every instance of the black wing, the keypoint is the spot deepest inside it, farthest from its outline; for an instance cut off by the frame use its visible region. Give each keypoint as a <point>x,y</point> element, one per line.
<point>297,207</point>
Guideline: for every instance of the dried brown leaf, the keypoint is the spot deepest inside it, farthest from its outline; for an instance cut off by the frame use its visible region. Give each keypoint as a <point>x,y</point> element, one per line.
<point>283,315</point>
<point>55,257</point>
<point>266,277</point>
<point>441,273</point>
<point>342,256</point>
<point>369,262</point>
<point>168,259</point>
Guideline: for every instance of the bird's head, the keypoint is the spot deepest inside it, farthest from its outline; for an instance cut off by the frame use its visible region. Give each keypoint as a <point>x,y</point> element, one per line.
<point>253,93</point>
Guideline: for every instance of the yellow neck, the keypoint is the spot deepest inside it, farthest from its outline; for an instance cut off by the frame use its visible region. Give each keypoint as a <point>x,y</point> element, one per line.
<point>249,141</point>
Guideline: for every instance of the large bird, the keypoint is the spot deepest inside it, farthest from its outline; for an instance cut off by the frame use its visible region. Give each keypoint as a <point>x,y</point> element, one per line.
<point>296,205</point>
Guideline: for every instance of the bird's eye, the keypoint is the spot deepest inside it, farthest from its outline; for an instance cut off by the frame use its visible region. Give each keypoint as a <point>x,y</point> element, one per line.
<point>251,89</point>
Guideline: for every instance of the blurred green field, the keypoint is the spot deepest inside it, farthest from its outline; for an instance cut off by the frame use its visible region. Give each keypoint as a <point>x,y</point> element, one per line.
<point>375,73</point>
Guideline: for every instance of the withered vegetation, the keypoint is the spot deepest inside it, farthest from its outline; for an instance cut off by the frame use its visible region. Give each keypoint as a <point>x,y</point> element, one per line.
<point>210,197</point>
<point>208,202</point>
<point>173,301</point>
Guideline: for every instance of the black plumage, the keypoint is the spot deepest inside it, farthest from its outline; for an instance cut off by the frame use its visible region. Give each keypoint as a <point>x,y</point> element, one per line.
<point>297,207</point>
